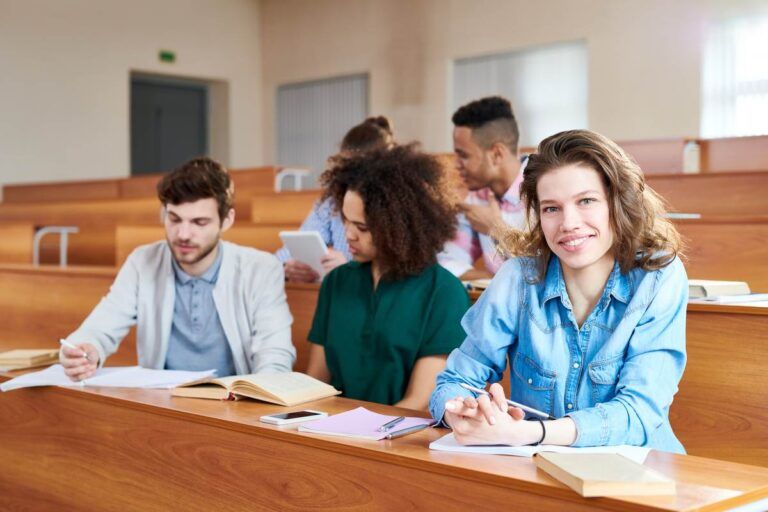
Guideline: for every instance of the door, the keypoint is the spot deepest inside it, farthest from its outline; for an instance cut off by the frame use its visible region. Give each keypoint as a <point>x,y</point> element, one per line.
<point>169,123</point>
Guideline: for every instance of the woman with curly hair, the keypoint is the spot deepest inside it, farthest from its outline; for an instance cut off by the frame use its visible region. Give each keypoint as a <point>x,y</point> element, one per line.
<point>590,314</point>
<point>385,322</point>
<point>373,133</point>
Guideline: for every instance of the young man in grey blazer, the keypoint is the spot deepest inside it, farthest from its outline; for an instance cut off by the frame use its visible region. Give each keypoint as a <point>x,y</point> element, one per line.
<point>198,302</point>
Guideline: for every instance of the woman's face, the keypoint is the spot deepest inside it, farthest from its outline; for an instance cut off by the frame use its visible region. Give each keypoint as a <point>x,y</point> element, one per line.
<point>574,213</point>
<point>358,236</point>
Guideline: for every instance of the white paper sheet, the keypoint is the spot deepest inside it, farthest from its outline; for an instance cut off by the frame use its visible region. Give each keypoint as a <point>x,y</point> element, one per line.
<point>448,443</point>
<point>119,377</point>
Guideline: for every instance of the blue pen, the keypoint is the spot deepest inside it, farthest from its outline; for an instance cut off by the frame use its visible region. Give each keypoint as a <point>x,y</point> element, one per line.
<point>510,402</point>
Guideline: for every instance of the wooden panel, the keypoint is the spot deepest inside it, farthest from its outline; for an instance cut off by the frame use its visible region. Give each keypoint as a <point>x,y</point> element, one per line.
<point>41,305</point>
<point>182,449</point>
<point>263,237</point>
<point>136,187</point>
<point>729,249</point>
<point>92,245</point>
<point>283,207</point>
<point>714,194</point>
<point>302,301</point>
<point>16,246</point>
<point>61,191</point>
<point>656,155</point>
<point>735,154</point>
<point>721,410</point>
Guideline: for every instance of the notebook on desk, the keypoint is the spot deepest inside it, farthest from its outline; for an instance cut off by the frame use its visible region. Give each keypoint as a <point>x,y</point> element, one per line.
<point>604,474</point>
<point>28,358</point>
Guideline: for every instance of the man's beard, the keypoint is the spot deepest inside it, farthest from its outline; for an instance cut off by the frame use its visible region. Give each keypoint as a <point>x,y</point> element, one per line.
<point>202,255</point>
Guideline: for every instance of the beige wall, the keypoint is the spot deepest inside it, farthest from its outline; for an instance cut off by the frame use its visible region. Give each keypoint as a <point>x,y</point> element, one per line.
<point>64,78</point>
<point>644,57</point>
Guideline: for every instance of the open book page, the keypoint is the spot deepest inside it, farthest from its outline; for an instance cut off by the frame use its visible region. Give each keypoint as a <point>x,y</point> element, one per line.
<point>120,376</point>
<point>449,444</point>
<point>288,387</point>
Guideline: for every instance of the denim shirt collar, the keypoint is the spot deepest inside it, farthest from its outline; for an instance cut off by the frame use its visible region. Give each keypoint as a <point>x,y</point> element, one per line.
<point>618,286</point>
<point>209,276</point>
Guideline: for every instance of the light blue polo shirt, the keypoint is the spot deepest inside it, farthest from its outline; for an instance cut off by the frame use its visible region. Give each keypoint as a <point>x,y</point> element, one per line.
<point>197,339</point>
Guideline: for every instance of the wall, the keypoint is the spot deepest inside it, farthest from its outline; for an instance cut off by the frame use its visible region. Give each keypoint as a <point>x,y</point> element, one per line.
<point>644,57</point>
<point>64,77</point>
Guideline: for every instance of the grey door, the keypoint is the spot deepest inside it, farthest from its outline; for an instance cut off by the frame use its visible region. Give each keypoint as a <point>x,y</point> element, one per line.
<point>169,124</point>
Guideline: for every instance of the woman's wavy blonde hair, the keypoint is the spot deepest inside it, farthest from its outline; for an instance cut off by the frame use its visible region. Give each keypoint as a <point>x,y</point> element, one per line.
<point>644,238</point>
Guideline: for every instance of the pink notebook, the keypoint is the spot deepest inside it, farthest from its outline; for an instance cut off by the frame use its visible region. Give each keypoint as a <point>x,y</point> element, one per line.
<point>362,424</point>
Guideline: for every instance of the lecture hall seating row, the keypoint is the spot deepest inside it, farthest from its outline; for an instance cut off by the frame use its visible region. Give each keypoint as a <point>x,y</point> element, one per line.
<point>721,410</point>
<point>247,182</point>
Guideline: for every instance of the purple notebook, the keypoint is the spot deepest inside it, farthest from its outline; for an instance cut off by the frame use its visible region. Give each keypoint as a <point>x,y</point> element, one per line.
<point>362,424</point>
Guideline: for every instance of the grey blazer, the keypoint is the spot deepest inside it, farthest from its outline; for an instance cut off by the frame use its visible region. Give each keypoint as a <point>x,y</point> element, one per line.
<point>249,296</point>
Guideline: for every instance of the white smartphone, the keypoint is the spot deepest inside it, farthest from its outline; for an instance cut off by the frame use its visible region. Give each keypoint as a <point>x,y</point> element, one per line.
<point>292,417</point>
<point>307,247</point>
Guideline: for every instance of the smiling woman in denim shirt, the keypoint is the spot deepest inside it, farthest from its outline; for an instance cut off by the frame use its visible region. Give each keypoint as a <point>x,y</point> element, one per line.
<point>590,314</point>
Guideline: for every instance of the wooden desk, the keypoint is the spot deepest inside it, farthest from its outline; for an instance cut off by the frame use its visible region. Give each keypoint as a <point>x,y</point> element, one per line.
<point>110,449</point>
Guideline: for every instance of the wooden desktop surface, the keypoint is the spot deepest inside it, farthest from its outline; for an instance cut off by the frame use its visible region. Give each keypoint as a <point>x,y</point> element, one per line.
<point>125,449</point>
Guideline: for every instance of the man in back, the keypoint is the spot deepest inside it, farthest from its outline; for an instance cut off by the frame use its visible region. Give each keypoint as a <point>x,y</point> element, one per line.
<point>485,138</point>
<point>198,302</point>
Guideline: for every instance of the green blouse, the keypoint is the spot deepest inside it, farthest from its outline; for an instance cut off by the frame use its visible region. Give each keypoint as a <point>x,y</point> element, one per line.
<point>372,338</point>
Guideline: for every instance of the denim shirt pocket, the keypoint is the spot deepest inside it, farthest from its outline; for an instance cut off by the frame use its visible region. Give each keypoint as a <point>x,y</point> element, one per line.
<point>604,374</point>
<point>533,385</point>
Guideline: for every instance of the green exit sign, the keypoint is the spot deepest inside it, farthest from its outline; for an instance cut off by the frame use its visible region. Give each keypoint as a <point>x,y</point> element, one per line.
<point>167,56</point>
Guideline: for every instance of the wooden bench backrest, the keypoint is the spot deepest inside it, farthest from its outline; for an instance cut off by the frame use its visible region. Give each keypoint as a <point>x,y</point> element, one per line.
<point>42,305</point>
<point>265,238</point>
<point>283,208</point>
<point>734,154</point>
<point>247,182</point>
<point>16,242</point>
<point>727,249</point>
<point>741,194</point>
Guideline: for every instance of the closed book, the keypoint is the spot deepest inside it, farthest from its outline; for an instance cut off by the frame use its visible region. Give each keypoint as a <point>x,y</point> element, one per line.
<point>28,358</point>
<point>276,388</point>
<point>604,474</point>
<point>698,288</point>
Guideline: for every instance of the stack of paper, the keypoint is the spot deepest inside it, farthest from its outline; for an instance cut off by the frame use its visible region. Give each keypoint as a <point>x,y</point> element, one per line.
<point>116,377</point>
<point>361,423</point>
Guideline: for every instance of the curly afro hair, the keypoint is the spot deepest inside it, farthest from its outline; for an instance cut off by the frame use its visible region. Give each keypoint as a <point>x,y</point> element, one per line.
<point>408,204</point>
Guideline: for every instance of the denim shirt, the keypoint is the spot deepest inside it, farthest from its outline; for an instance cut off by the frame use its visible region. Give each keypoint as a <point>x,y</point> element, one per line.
<point>615,376</point>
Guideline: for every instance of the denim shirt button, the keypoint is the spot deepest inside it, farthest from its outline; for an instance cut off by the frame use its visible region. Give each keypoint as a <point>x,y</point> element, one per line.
<point>575,365</point>
<point>530,381</point>
<point>569,406</point>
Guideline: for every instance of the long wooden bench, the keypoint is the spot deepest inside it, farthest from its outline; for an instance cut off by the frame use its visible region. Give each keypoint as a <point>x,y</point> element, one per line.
<point>736,193</point>
<point>734,154</point>
<point>727,248</point>
<point>16,242</point>
<point>283,208</point>
<point>247,181</point>
<point>263,237</point>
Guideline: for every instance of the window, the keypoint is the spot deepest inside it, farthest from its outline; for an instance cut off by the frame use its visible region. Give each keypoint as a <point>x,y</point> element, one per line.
<point>547,87</point>
<point>735,79</point>
<point>312,118</point>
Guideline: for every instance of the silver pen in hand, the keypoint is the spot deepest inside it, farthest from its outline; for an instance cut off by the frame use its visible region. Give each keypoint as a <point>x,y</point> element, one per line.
<point>510,402</point>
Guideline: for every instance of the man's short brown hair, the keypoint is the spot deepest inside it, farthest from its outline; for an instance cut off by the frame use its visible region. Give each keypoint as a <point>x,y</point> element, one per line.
<point>200,178</point>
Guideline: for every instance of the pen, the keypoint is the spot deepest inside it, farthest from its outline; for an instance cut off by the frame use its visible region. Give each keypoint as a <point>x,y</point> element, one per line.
<point>409,430</point>
<point>388,425</point>
<point>510,402</point>
<point>69,345</point>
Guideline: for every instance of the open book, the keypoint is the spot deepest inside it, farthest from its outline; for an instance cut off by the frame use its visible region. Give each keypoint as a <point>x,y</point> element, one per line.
<point>604,474</point>
<point>28,358</point>
<point>277,388</point>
